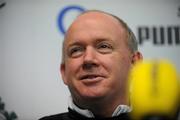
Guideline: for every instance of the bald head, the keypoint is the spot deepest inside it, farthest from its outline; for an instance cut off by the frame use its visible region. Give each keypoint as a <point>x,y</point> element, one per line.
<point>102,19</point>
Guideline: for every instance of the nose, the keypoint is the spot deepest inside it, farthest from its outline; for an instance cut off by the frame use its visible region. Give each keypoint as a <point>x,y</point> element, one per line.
<point>90,59</point>
<point>90,54</point>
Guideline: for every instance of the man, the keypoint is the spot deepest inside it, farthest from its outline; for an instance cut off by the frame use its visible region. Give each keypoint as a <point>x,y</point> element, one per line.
<point>99,49</point>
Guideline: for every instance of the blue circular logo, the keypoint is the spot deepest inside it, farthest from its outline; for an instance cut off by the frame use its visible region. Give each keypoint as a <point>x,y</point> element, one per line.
<point>64,12</point>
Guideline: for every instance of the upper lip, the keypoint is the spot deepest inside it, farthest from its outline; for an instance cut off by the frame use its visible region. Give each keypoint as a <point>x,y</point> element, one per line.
<point>90,76</point>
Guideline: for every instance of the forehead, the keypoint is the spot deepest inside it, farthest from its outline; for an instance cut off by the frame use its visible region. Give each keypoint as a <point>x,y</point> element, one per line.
<point>96,16</point>
<point>94,24</point>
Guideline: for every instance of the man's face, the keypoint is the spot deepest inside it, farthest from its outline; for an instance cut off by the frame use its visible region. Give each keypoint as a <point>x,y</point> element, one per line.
<point>97,58</point>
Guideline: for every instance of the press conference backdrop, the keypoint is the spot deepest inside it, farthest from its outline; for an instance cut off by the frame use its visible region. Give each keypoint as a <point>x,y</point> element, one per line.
<point>31,35</point>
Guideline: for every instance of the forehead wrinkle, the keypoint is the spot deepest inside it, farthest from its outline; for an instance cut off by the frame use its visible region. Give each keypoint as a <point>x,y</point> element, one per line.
<point>93,42</point>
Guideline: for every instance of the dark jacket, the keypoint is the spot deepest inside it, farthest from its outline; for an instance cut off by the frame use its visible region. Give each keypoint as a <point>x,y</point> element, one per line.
<point>73,115</point>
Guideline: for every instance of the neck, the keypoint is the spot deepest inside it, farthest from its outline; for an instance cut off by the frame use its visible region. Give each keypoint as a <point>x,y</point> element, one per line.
<point>102,107</point>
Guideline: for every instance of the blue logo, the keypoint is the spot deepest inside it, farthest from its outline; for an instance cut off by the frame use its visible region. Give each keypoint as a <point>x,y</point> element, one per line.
<point>64,12</point>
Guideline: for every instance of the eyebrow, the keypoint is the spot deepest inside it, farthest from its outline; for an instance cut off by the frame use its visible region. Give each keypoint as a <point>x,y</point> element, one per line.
<point>103,39</point>
<point>74,43</point>
<point>77,42</point>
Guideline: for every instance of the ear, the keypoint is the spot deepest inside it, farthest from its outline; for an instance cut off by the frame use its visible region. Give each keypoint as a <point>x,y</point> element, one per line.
<point>62,70</point>
<point>137,56</point>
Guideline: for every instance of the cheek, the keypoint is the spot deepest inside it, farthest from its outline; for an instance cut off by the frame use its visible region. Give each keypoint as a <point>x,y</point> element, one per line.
<point>123,68</point>
<point>72,67</point>
<point>118,66</point>
<point>115,63</point>
<point>108,65</point>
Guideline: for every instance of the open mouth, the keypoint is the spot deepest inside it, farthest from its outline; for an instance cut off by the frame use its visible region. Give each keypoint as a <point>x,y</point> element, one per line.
<point>91,77</point>
<point>84,77</point>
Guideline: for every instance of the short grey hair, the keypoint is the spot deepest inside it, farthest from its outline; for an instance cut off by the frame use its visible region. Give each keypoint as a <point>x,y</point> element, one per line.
<point>132,42</point>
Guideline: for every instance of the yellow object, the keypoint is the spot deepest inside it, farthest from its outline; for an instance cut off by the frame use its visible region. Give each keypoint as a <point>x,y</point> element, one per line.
<point>154,89</point>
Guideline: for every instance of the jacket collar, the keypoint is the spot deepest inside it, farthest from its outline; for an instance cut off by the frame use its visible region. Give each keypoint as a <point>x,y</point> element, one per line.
<point>85,112</point>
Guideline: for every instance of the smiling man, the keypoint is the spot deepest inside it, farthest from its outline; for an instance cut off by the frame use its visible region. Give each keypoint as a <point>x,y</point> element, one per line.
<point>99,49</point>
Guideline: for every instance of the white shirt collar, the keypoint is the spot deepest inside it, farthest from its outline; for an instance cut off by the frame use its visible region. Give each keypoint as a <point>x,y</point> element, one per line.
<point>85,112</point>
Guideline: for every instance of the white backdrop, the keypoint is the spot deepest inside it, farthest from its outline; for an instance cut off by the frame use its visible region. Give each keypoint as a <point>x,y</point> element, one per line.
<point>30,47</point>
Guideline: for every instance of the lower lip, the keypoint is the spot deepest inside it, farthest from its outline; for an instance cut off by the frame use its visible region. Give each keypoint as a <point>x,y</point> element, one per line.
<point>92,81</point>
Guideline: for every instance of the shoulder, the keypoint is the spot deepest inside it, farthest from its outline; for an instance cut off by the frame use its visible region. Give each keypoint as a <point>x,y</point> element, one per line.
<point>61,116</point>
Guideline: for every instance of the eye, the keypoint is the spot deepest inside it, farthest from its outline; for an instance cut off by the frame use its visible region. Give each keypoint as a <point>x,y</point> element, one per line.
<point>104,47</point>
<point>75,51</point>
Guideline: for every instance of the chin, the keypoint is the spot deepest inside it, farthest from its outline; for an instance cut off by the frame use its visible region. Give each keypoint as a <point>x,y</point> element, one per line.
<point>89,93</point>
<point>93,95</point>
